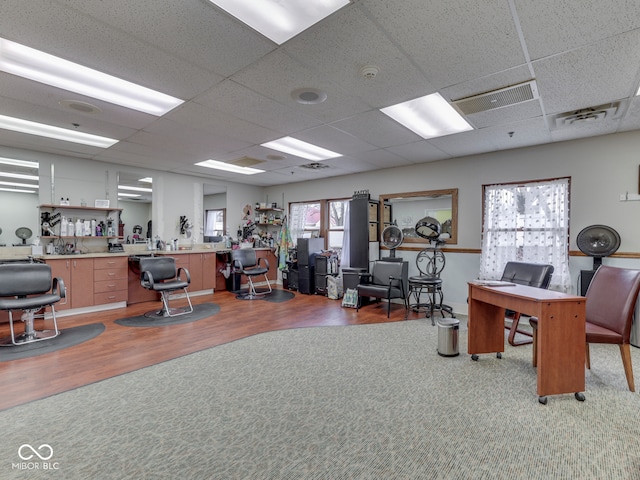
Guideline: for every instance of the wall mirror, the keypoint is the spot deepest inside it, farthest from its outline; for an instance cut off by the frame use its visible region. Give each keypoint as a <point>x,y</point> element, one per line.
<point>409,207</point>
<point>19,187</point>
<point>135,190</point>
<point>215,212</point>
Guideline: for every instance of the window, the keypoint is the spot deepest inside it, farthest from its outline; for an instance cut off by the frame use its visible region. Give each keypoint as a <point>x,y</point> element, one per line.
<point>306,220</point>
<point>214,223</point>
<point>337,210</point>
<point>529,223</point>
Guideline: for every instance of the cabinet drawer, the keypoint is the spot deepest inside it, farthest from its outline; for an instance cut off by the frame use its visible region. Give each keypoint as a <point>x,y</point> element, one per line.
<point>110,297</point>
<point>182,261</point>
<point>102,263</point>
<point>110,285</point>
<point>110,273</point>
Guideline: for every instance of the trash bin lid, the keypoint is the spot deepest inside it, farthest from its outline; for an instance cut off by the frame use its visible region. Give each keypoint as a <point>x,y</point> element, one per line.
<point>448,322</point>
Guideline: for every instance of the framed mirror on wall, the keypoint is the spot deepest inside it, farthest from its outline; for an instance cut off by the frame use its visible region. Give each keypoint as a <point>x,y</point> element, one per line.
<point>215,212</point>
<point>135,191</point>
<point>407,208</point>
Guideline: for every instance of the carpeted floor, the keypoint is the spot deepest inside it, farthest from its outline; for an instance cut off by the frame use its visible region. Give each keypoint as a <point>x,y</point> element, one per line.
<point>200,311</point>
<point>68,338</point>
<point>356,402</point>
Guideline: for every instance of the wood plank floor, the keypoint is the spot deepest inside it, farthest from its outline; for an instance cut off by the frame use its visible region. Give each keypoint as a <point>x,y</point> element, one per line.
<point>122,349</point>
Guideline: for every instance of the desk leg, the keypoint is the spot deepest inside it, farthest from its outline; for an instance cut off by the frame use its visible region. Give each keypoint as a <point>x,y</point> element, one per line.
<point>486,328</point>
<point>561,341</point>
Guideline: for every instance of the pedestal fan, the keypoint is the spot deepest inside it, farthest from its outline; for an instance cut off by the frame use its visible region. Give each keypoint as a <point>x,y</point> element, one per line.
<point>597,241</point>
<point>392,238</point>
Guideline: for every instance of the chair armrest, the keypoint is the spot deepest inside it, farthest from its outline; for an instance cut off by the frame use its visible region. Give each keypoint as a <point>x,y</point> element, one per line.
<point>365,278</point>
<point>59,288</point>
<point>146,279</point>
<point>182,270</point>
<point>266,262</point>
<point>236,264</point>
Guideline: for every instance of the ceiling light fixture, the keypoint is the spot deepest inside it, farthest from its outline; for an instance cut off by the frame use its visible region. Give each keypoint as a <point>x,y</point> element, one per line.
<point>16,184</point>
<point>43,130</point>
<point>146,180</point>
<point>134,189</point>
<point>229,167</point>
<point>122,194</point>
<point>16,190</point>
<point>430,116</point>
<point>280,20</point>
<point>21,176</point>
<point>302,149</point>
<point>19,163</point>
<point>41,67</point>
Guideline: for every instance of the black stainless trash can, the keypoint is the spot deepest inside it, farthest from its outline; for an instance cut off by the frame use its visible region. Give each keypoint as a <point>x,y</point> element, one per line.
<point>448,337</point>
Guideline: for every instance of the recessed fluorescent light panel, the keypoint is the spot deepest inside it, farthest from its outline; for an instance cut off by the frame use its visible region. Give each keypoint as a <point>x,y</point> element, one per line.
<point>134,189</point>
<point>228,167</point>
<point>430,116</point>
<point>41,67</point>
<point>18,163</point>
<point>122,194</point>
<point>280,20</point>
<point>146,180</point>
<point>301,149</point>
<point>16,184</point>
<point>16,190</point>
<point>43,130</point>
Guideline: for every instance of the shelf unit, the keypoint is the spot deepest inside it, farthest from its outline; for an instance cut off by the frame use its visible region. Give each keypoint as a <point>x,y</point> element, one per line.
<point>265,227</point>
<point>78,211</point>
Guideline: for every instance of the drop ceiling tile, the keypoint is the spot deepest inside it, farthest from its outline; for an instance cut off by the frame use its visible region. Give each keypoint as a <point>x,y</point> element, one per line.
<point>382,158</point>
<point>432,33</point>
<point>589,76</point>
<point>583,131</point>
<point>631,121</point>
<point>465,143</point>
<point>506,115</point>
<point>335,140</point>
<point>376,128</point>
<point>237,100</point>
<point>277,75</point>
<point>551,27</point>
<point>338,49</point>
<point>532,131</point>
<point>419,152</point>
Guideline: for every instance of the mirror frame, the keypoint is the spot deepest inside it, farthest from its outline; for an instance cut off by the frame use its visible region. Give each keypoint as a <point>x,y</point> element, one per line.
<point>453,240</point>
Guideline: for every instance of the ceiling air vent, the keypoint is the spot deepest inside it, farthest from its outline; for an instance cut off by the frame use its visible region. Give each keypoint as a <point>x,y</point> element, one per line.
<point>246,162</point>
<point>504,97</point>
<point>314,166</point>
<point>586,116</point>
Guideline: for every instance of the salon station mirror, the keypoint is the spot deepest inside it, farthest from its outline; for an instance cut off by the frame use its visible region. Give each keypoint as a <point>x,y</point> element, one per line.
<point>409,207</point>
<point>135,191</point>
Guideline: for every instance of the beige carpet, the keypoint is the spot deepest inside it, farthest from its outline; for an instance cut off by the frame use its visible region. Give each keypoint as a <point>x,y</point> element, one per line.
<point>358,402</point>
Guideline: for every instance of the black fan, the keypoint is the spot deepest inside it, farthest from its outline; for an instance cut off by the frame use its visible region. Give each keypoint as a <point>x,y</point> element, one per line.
<point>392,238</point>
<point>598,241</point>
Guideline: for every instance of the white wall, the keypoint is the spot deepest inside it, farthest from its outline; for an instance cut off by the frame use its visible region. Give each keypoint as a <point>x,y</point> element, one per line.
<point>600,168</point>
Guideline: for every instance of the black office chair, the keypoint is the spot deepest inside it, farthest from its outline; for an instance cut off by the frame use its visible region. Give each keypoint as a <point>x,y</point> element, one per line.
<point>30,288</point>
<point>161,275</point>
<point>245,261</point>
<point>532,275</point>
<point>387,280</point>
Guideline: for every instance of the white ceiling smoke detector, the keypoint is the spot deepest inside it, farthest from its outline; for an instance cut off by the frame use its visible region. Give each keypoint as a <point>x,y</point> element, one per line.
<point>79,106</point>
<point>369,71</point>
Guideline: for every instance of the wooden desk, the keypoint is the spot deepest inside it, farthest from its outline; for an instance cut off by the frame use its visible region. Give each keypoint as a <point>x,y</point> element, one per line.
<point>561,332</point>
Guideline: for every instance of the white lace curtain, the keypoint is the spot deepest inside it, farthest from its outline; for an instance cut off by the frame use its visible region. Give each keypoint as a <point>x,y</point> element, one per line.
<point>527,223</point>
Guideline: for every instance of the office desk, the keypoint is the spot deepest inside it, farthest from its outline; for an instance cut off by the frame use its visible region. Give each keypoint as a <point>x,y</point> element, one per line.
<point>561,332</point>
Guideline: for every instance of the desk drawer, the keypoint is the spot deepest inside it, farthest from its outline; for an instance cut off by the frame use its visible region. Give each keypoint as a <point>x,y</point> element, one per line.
<point>110,273</point>
<point>110,285</point>
<point>110,297</point>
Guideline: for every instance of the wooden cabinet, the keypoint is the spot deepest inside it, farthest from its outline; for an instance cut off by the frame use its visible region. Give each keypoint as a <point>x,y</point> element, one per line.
<point>203,271</point>
<point>110,280</point>
<point>77,274</point>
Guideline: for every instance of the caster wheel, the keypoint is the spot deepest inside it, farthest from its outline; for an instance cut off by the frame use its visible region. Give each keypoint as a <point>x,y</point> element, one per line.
<point>474,357</point>
<point>498,355</point>
<point>542,400</point>
<point>580,396</point>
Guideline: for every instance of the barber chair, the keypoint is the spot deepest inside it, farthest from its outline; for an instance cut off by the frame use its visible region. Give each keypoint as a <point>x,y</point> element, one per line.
<point>161,275</point>
<point>30,288</point>
<point>245,261</point>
